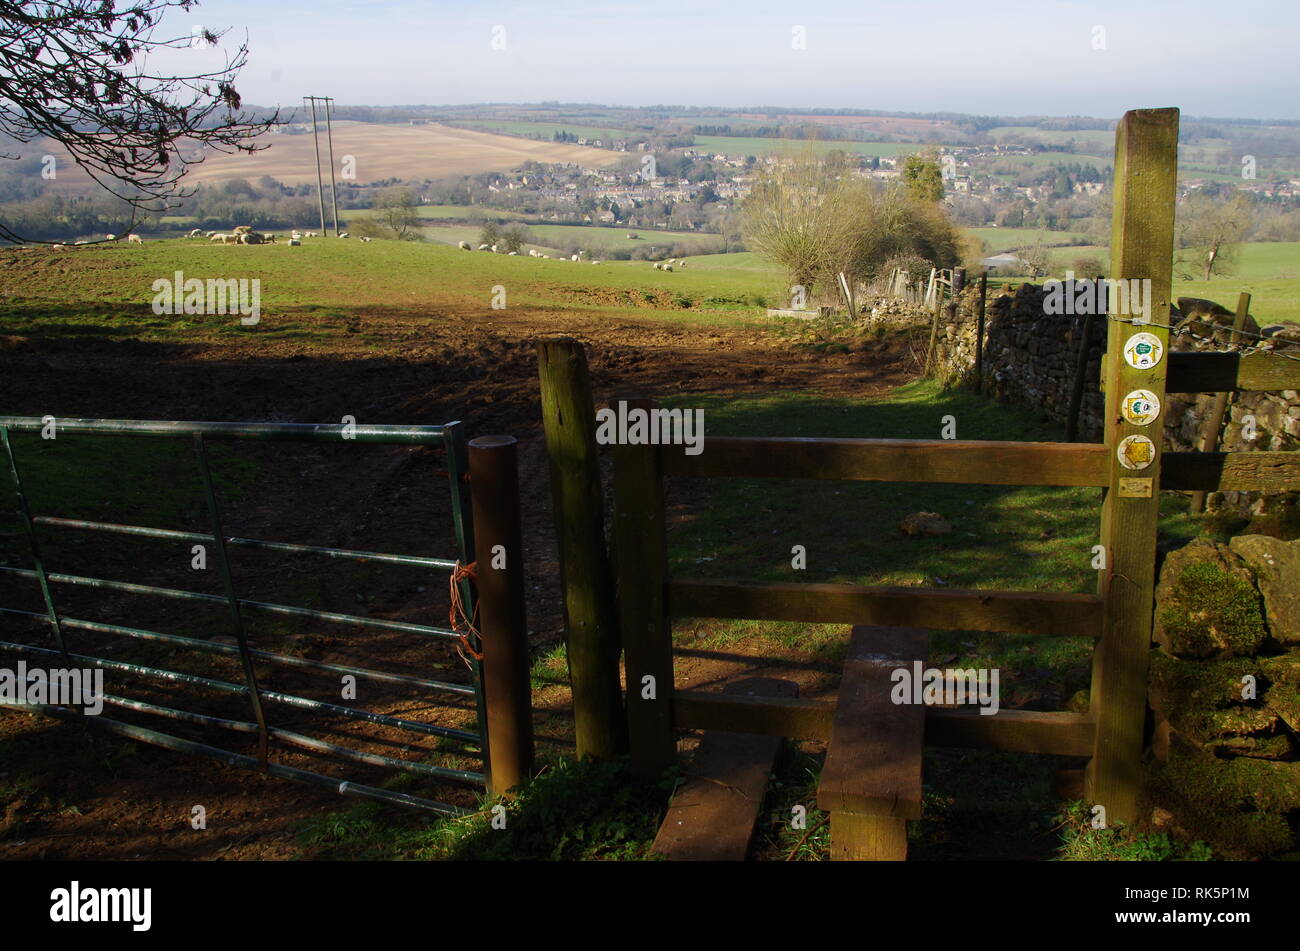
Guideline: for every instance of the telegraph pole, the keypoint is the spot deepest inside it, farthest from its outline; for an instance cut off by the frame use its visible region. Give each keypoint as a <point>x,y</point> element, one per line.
<point>329,137</point>
<point>320,185</point>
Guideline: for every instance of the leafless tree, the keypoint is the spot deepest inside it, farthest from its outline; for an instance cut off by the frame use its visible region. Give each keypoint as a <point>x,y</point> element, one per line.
<point>77,71</point>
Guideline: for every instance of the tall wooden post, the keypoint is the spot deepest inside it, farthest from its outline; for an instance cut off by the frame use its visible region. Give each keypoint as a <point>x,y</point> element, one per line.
<point>641,558</point>
<point>590,613</point>
<point>503,626</point>
<point>1142,247</point>
<point>1209,441</point>
<point>979,334</point>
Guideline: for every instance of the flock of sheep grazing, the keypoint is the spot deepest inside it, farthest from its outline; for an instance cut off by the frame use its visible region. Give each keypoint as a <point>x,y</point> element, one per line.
<point>532,253</point>
<point>244,234</point>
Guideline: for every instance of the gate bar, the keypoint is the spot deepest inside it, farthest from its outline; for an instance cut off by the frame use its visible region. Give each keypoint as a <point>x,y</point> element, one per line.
<point>270,607</point>
<point>292,432</point>
<point>266,656</point>
<point>176,744</point>
<point>274,696</point>
<point>418,561</point>
<point>299,740</point>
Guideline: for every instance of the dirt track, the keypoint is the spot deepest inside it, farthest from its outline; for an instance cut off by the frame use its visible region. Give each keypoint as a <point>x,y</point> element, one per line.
<point>411,367</point>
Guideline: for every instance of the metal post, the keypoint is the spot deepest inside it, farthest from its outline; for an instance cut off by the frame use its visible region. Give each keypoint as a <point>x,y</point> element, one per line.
<point>329,138</point>
<point>320,185</point>
<point>503,625</point>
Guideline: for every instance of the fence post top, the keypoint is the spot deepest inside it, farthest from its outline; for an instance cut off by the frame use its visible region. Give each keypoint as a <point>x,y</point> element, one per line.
<point>492,442</point>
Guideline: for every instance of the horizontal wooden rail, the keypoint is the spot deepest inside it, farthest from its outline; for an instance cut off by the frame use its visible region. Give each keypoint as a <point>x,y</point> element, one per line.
<point>1016,731</point>
<point>1010,612</point>
<point>894,460</point>
<point>1230,471</point>
<point>1211,372</point>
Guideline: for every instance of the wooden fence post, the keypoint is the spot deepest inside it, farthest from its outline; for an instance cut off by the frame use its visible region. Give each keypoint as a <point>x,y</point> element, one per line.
<point>641,558</point>
<point>1209,441</point>
<point>1142,247</point>
<point>590,614</point>
<point>503,626</point>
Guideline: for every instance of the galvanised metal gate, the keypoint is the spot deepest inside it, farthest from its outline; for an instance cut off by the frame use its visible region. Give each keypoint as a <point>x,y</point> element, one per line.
<point>450,438</point>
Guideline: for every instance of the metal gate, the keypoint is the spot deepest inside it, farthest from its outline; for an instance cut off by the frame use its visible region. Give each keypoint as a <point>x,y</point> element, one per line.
<point>62,644</point>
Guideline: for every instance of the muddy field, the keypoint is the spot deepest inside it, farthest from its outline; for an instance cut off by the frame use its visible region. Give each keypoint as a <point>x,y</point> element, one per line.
<point>475,366</point>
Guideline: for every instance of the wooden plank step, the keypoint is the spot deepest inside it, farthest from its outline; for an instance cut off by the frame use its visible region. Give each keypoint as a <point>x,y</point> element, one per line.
<point>712,815</point>
<point>871,781</point>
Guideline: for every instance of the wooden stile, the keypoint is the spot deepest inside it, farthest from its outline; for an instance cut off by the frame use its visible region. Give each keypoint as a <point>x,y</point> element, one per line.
<point>1146,162</point>
<point>871,781</point>
<point>640,554</point>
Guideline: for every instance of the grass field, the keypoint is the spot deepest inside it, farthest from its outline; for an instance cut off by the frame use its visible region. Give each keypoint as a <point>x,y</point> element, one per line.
<point>741,146</point>
<point>593,238</point>
<point>546,130</point>
<point>328,273</point>
<point>1012,239</point>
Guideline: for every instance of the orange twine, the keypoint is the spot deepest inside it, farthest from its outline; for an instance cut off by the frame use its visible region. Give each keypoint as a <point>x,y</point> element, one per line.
<point>457,612</point>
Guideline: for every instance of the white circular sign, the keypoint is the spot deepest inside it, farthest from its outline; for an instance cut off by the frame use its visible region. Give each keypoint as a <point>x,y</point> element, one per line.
<point>1136,452</point>
<point>1143,351</point>
<point>1140,407</point>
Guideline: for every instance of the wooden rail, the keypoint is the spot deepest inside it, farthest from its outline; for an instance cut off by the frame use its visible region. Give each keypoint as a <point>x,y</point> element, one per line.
<point>1017,731</point>
<point>1018,612</point>
<point>1210,372</point>
<point>894,460</point>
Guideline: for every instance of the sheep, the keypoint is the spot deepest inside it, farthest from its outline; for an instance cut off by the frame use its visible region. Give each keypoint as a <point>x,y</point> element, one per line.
<point>252,237</point>
<point>243,229</point>
<point>532,253</point>
<point>366,240</point>
<point>574,258</point>
<point>668,267</point>
<point>494,249</point>
<point>296,235</point>
<point>464,246</point>
<point>546,257</point>
<point>195,233</point>
<point>134,239</point>
<point>313,234</point>
<point>217,236</point>
<point>295,243</point>
<point>681,263</point>
<point>231,238</point>
<point>111,237</point>
<point>594,261</point>
<point>484,247</point>
<point>512,254</point>
<point>344,234</point>
<point>658,265</point>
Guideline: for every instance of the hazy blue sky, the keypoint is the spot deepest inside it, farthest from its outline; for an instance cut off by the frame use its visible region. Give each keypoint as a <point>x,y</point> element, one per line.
<point>1235,58</point>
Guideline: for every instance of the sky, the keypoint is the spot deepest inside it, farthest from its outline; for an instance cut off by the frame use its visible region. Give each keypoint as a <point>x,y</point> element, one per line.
<point>998,57</point>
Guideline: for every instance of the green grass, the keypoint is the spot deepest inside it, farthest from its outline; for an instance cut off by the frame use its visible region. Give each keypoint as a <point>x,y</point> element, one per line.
<point>570,812</point>
<point>545,130</point>
<point>1012,239</point>
<point>315,290</point>
<point>597,238</point>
